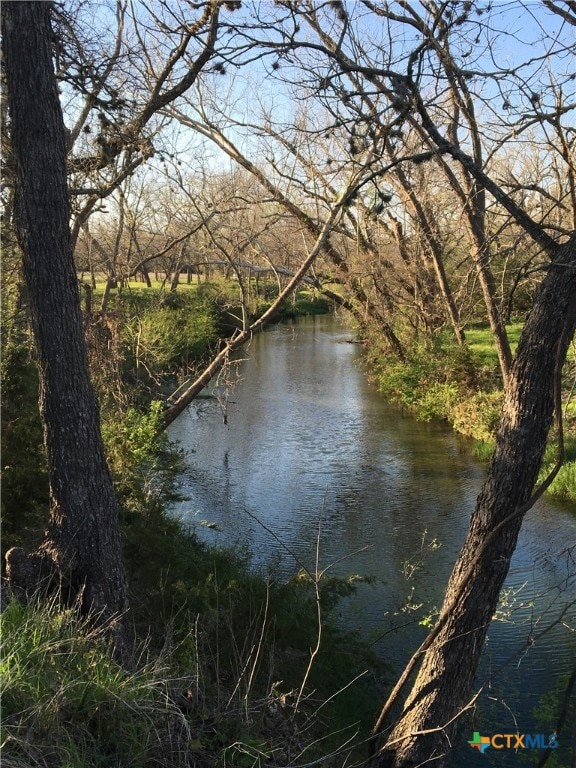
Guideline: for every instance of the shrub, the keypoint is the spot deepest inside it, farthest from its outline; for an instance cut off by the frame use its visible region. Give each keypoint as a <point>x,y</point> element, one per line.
<point>166,337</point>
<point>24,474</point>
<point>438,401</point>
<point>478,415</point>
<point>143,464</point>
<point>564,484</point>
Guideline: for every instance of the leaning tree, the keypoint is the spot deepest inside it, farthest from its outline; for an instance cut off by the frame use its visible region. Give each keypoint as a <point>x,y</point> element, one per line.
<point>431,70</point>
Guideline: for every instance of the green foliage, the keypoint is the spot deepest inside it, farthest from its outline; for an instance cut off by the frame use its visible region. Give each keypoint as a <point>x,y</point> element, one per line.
<point>226,296</point>
<point>483,451</point>
<point>162,334</point>
<point>164,338</point>
<point>308,302</point>
<point>438,401</point>
<point>143,465</point>
<point>24,478</point>
<point>431,382</point>
<point>145,468</point>
<point>478,415</point>
<point>219,292</point>
<point>564,484</point>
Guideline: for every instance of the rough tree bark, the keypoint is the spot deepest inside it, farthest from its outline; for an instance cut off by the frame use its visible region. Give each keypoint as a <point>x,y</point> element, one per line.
<point>449,657</point>
<point>81,553</point>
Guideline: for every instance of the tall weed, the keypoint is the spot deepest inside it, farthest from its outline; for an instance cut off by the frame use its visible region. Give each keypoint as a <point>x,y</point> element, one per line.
<point>65,698</point>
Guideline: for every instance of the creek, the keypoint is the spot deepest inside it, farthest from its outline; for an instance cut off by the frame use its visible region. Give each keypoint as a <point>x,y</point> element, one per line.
<point>303,456</point>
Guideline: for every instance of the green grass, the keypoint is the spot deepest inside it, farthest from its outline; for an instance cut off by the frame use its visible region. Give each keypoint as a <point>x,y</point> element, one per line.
<point>135,285</point>
<point>66,702</point>
<point>215,684</point>
<point>564,484</point>
<point>482,347</point>
<point>309,303</point>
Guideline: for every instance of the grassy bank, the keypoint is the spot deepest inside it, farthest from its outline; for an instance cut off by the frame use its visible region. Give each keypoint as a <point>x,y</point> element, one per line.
<point>462,387</point>
<point>229,668</point>
<point>150,340</point>
<point>222,689</point>
<point>225,674</point>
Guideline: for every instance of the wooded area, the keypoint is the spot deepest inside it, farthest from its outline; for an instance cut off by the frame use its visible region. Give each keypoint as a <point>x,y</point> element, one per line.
<point>411,162</point>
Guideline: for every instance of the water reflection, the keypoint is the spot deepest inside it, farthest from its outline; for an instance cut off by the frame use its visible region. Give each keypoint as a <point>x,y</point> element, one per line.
<point>311,450</point>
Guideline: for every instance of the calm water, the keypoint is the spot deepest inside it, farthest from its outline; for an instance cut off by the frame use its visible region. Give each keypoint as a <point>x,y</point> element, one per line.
<point>306,454</point>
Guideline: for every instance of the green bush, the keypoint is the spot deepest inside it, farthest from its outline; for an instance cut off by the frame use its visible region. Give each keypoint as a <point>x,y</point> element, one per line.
<point>438,401</point>
<point>143,464</point>
<point>165,338</point>
<point>24,499</point>
<point>478,415</point>
<point>431,383</point>
<point>564,484</point>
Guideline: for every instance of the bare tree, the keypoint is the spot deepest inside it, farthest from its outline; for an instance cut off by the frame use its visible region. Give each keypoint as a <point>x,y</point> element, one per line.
<point>438,87</point>
<point>292,180</point>
<point>156,59</point>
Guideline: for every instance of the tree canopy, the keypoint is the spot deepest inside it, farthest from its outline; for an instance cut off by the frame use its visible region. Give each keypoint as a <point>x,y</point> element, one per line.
<point>412,161</point>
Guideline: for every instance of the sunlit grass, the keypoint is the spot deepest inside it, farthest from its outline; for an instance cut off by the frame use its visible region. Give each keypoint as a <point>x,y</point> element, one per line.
<point>155,287</point>
<point>66,701</point>
<point>482,346</point>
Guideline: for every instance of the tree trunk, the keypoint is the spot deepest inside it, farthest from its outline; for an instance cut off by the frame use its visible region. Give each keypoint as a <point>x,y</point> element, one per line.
<point>480,258</point>
<point>82,545</point>
<point>175,282</point>
<point>445,681</point>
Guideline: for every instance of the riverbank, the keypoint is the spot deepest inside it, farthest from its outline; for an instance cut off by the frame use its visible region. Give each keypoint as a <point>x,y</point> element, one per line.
<point>311,461</point>
<point>227,668</point>
<point>461,387</point>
